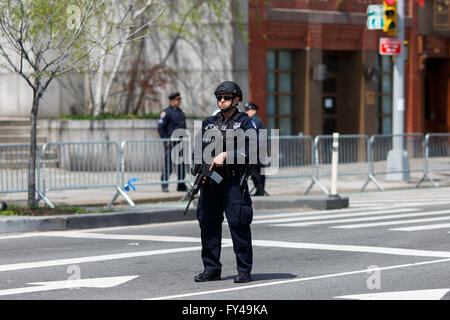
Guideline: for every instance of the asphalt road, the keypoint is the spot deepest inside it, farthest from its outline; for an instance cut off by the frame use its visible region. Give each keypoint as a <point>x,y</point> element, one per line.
<point>386,245</point>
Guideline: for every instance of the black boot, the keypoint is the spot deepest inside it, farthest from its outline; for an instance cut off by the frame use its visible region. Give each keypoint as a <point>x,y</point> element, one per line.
<point>243,277</point>
<point>165,188</point>
<point>259,190</point>
<point>207,276</point>
<point>181,187</point>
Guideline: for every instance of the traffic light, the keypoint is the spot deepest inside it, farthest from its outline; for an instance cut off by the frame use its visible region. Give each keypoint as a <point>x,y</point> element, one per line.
<point>390,17</point>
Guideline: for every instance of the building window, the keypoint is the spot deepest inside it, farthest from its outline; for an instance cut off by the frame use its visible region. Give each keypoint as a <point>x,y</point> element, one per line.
<point>441,15</point>
<point>384,97</point>
<point>281,90</point>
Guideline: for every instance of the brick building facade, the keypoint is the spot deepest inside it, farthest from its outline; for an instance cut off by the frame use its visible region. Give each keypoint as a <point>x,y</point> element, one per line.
<point>314,68</point>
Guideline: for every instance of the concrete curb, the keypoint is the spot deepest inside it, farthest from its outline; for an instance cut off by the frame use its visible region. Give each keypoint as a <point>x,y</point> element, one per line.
<point>292,202</point>
<point>143,215</point>
<point>95,220</point>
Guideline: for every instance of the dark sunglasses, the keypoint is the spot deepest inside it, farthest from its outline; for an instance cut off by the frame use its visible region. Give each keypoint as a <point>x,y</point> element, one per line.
<point>226,98</point>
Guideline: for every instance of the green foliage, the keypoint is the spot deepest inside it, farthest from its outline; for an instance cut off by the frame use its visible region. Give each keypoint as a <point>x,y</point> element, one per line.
<point>109,116</point>
<point>182,17</point>
<point>56,36</point>
<point>34,210</point>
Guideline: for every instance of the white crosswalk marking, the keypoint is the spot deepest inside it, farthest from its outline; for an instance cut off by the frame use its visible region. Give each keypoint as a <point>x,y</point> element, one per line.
<point>330,216</point>
<point>382,217</point>
<point>423,227</point>
<point>365,225</point>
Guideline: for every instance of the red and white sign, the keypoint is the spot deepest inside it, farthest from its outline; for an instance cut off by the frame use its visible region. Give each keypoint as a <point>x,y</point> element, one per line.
<point>390,46</point>
<point>390,2</point>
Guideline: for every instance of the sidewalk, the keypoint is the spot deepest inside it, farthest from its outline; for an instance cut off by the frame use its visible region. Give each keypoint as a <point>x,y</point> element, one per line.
<point>152,205</point>
<point>275,187</point>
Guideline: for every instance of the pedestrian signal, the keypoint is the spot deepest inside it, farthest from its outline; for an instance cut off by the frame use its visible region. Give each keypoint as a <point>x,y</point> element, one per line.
<point>390,17</point>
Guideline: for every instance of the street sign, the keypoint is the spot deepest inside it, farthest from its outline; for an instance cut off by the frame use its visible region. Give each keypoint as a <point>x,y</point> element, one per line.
<point>375,17</point>
<point>390,46</point>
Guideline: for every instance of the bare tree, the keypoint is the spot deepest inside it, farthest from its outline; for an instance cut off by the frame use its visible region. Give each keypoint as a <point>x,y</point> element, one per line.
<point>41,40</point>
<point>179,19</point>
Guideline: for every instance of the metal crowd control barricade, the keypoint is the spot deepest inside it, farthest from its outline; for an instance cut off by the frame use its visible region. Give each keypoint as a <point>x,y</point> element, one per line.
<point>80,165</point>
<point>295,160</point>
<point>14,160</point>
<point>437,156</point>
<point>382,144</point>
<point>353,156</point>
<point>144,161</point>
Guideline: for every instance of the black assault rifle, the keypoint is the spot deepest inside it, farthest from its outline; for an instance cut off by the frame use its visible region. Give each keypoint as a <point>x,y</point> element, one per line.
<point>202,172</point>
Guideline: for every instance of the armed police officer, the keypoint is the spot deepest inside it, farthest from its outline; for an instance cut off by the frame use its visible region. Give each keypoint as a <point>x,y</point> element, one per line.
<point>258,179</point>
<point>171,118</point>
<point>231,195</point>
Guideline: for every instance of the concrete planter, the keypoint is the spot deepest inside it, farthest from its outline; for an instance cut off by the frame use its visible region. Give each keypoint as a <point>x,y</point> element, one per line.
<point>148,157</point>
<point>101,130</point>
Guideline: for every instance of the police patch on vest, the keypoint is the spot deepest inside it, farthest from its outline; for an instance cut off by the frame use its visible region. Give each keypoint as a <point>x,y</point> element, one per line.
<point>224,127</point>
<point>237,125</point>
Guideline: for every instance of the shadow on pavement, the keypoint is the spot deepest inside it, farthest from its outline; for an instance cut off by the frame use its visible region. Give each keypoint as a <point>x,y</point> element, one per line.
<point>266,276</point>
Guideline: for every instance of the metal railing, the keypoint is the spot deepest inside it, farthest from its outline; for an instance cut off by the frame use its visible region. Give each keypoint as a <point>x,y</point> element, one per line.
<point>396,155</point>
<point>80,165</point>
<point>103,164</point>
<point>14,159</point>
<point>296,160</point>
<point>436,157</point>
<point>353,156</point>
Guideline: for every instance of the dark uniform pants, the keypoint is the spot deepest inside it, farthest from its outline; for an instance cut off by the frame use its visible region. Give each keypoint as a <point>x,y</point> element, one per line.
<point>167,170</point>
<point>258,179</point>
<point>228,197</point>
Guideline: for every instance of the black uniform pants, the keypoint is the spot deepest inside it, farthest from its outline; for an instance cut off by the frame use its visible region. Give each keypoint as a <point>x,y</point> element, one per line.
<point>168,165</point>
<point>258,179</point>
<point>215,199</point>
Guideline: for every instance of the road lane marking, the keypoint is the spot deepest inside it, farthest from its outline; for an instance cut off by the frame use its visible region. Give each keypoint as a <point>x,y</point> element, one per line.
<point>107,236</point>
<point>352,248</point>
<point>423,227</point>
<point>430,294</point>
<point>308,213</point>
<point>60,262</point>
<point>334,216</point>
<point>388,223</point>
<point>101,283</point>
<point>273,243</point>
<point>227,243</point>
<point>382,217</point>
<point>281,282</point>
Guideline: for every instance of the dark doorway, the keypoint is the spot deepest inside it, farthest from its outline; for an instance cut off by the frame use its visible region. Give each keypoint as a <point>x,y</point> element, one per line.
<point>437,106</point>
<point>340,92</point>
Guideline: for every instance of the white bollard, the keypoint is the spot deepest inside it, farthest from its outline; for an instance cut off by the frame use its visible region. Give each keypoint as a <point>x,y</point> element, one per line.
<point>334,164</point>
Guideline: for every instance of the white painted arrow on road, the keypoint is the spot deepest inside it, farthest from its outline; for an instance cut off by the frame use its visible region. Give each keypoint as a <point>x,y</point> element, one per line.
<point>108,282</point>
<point>431,294</point>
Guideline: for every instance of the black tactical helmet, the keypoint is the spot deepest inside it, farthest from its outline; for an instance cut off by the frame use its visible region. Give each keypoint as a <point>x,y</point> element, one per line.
<point>229,87</point>
<point>251,106</point>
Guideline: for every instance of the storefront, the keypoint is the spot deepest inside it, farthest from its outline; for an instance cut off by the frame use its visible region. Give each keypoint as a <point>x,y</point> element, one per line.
<point>314,68</point>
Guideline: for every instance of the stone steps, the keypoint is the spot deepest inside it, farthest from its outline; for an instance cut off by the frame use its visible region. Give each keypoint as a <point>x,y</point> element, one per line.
<point>17,131</point>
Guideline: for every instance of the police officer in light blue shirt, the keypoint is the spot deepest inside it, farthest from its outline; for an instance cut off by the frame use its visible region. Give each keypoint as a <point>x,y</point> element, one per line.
<point>171,118</point>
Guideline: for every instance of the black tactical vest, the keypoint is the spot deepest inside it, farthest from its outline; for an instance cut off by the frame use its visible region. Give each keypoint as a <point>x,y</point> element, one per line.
<point>223,125</point>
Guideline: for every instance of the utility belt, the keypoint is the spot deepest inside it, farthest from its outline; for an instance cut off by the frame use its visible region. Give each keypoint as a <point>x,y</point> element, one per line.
<point>232,171</point>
